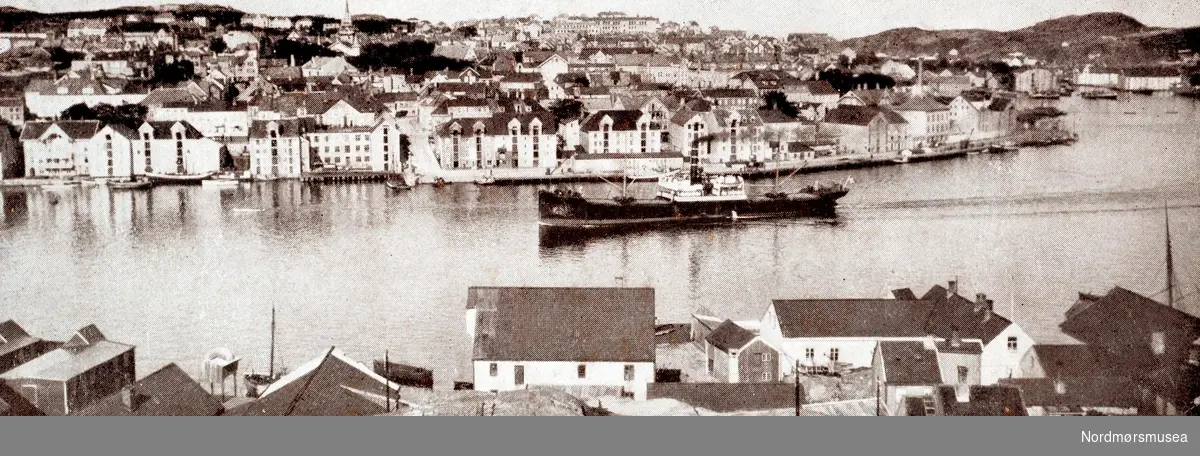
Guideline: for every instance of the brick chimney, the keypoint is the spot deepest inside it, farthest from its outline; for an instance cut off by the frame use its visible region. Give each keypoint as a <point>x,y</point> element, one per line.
<point>980,301</point>
<point>930,342</point>
<point>955,338</point>
<point>129,398</point>
<point>952,289</point>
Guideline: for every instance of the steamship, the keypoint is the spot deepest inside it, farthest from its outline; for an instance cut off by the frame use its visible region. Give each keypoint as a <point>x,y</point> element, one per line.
<point>688,197</point>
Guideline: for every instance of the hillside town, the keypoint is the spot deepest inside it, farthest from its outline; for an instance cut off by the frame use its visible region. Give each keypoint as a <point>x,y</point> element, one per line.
<point>195,91</point>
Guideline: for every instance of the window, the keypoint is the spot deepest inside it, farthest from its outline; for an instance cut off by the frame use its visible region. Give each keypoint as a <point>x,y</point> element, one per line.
<point>710,365</point>
<point>493,369</point>
<point>810,354</point>
<point>963,373</point>
<point>582,371</point>
<point>764,358</point>
<point>629,372</point>
<point>766,376</point>
<point>833,355</point>
<point>1158,342</point>
<point>1012,343</point>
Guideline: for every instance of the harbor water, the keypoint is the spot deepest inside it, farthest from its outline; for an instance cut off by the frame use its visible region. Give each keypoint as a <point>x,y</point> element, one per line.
<point>178,271</point>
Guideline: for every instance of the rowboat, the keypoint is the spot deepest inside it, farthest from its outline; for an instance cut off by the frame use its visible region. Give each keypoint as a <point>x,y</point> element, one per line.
<point>162,178</point>
<point>397,185</point>
<point>223,180</point>
<point>138,184</point>
<point>68,185</point>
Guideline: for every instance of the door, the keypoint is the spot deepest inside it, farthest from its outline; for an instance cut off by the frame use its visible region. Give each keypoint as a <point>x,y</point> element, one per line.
<point>518,375</point>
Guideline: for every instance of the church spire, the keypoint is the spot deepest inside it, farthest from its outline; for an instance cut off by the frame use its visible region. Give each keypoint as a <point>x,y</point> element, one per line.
<point>346,19</point>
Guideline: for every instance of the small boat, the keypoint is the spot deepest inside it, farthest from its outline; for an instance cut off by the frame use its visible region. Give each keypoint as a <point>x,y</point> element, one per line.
<point>1101,94</point>
<point>137,184</point>
<point>223,180</point>
<point>404,374</point>
<point>487,179</point>
<point>1045,96</point>
<point>67,185</point>
<point>395,184</point>
<point>1001,148</point>
<point>163,178</point>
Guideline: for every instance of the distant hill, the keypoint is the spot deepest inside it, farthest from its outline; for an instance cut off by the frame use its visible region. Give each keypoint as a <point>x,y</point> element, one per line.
<point>1115,37</point>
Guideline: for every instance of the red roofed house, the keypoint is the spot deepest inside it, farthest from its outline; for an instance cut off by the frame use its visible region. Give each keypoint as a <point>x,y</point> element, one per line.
<point>80,373</point>
<point>582,337</point>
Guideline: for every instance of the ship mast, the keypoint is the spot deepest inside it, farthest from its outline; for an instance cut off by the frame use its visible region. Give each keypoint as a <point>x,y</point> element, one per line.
<point>271,373</point>
<point>1170,261</point>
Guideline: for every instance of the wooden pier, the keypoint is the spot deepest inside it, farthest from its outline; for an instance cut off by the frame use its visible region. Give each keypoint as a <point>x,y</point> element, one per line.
<point>333,177</point>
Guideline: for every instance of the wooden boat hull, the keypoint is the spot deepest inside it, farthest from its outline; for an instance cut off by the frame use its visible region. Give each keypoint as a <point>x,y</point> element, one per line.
<point>564,210</point>
<point>136,185</point>
<point>404,374</point>
<point>220,182</point>
<point>178,179</point>
<point>398,186</point>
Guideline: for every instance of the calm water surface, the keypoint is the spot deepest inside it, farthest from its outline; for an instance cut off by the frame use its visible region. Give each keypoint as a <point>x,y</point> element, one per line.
<point>181,270</point>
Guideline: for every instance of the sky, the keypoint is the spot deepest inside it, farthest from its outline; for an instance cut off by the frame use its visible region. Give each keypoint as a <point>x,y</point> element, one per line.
<point>840,18</point>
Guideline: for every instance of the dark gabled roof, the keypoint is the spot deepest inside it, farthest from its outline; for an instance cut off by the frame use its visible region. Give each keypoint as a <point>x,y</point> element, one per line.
<point>1152,72</point>
<point>524,78</point>
<point>161,129</point>
<point>852,115</point>
<point>729,93</point>
<point>909,363</point>
<point>1090,319</point>
<point>1077,391</point>
<point>971,319</point>
<point>87,349</point>
<point>622,120</point>
<point>75,129</point>
<point>331,385</point>
<point>904,294</point>
<point>820,88</point>
<point>776,116</point>
<point>286,127</point>
<point>500,123</point>
<point>729,336</point>
<point>1079,360</point>
<point>13,337</point>
<point>563,324</point>
<point>984,401</point>
<point>1000,104</point>
<point>167,392</point>
<point>926,104</point>
<point>851,317</point>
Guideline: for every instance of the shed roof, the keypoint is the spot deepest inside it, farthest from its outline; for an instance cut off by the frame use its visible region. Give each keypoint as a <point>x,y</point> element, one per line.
<point>563,324</point>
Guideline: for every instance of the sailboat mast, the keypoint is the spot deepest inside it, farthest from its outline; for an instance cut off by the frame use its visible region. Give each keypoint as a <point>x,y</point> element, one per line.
<point>271,373</point>
<point>1170,261</point>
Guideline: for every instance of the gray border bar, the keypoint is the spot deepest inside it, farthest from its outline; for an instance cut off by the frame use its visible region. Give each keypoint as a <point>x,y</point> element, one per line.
<point>1007,436</point>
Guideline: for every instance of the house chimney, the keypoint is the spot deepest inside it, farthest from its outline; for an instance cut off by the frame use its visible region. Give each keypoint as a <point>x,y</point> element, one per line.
<point>962,393</point>
<point>129,398</point>
<point>1194,354</point>
<point>930,342</point>
<point>1060,387</point>
<point>980,301</point>
<point>952,289</point>
<point>955,338</point>
<point>987,310</point>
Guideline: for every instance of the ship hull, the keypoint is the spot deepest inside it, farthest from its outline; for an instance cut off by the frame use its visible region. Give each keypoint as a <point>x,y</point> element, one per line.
<point>571,212</point>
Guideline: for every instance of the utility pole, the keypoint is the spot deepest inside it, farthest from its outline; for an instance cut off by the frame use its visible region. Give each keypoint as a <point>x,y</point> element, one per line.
<point>797,375</point>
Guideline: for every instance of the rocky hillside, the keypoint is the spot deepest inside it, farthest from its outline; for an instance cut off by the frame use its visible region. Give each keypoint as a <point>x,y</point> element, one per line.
<point>1071,39</point>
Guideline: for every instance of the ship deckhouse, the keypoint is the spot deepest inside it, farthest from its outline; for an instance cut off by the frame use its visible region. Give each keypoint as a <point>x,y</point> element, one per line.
<point>682,188</point>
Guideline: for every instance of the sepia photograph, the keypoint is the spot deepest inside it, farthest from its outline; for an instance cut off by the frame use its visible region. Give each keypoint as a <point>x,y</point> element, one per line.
<point>802,208</point>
